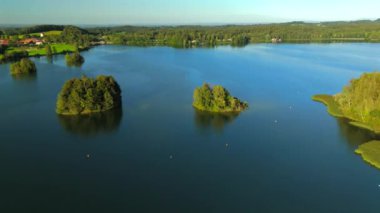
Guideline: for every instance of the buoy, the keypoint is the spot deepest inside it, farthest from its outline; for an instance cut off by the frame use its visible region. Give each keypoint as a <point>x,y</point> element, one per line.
<point>88,156</point>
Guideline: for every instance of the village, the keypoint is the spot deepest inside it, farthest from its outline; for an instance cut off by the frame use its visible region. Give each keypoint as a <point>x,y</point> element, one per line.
<point>17,46</point>
<point>33,41</point>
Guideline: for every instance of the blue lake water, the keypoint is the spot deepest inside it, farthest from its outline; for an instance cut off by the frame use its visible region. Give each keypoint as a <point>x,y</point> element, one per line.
<point>157,154</point>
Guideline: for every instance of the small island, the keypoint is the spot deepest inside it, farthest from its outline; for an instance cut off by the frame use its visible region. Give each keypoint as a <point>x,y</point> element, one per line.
<point>359,102</point>
<point>74,59</point>
<point>86,95</point>
<point>24,66</point>
<point>216,99</point>
<point>370,153</point>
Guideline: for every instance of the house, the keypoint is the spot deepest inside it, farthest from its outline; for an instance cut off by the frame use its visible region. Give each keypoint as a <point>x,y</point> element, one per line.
<point>4,42</point>
<point>31,41</point>
<point>39,42</point>
<point>277,40</point>
<point>27,41</point>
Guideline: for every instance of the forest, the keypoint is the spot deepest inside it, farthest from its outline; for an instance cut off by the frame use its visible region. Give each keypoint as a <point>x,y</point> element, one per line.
<point>209,36</point>
<point>240,35</point>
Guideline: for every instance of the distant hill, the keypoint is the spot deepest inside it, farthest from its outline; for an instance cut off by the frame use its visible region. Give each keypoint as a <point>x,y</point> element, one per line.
<point>36,29</point>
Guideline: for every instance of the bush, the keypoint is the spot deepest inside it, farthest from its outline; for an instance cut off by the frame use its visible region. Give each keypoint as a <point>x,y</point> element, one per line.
<point>24,66</point>
<point>74,59</point>
<point>15,55</point>
<point>86,95</point>
<point>216,99</point>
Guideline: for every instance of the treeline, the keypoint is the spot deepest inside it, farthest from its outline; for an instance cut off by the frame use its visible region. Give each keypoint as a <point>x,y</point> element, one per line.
<point>73,35</point>
<point>31,29</point>
<point>208,36</point>
<point>187,36</point>
<point>69,34</point>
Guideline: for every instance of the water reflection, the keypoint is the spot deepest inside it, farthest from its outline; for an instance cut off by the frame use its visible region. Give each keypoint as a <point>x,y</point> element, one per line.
<point>49,59</point>
<point>355,136</point>
<point>216,121</point>
<point>25,77</point>
<point>88,125</point>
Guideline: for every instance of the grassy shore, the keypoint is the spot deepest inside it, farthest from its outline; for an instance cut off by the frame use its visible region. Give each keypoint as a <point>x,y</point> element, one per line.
<point>333,109</point>
<point>332,106</point>
<point>370,153</point>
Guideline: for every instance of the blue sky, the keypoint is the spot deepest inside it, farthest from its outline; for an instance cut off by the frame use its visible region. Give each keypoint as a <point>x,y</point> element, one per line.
<point>151,12</point>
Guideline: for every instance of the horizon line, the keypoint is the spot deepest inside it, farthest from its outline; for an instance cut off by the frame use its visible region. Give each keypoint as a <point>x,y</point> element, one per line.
<point>191,24</point>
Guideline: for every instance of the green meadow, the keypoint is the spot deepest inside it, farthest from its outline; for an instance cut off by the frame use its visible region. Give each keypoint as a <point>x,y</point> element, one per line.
<point>370,153</point>
<point>41,51</point>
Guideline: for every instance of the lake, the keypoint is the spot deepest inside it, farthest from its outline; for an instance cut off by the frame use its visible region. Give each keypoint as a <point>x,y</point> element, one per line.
<point>158,154</point>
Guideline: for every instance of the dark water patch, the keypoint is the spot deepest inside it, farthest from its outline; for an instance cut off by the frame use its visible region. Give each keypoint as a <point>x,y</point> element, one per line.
<point>355,136</point>
<point>215,121</point>
<point>92,124</point>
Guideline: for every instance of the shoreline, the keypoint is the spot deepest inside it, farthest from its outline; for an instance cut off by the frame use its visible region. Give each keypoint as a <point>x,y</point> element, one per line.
<point>334,111</point>
<point>370,153</point>
<point>148,44</point>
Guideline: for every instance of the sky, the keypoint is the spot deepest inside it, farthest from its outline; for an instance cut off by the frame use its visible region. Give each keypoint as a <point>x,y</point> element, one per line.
<point>175,12</point>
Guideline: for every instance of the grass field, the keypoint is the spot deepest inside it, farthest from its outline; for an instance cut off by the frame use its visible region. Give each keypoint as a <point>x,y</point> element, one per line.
<point>329,101</point>
<point>370,153</point>
<point>40,51</point>
<point>57,49</point>
<point>48,33</point>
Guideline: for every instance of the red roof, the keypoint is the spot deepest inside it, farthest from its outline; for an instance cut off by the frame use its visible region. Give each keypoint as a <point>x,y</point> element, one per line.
<point>4,42</point>
<point>30,41</point>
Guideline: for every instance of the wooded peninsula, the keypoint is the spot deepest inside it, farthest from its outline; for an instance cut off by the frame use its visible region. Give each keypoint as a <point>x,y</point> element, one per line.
<point>359,102</point>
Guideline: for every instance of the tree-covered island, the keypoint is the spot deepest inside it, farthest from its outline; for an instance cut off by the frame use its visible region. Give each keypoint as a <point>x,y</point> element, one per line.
<point>74,59</point>
<point>216,99</point>
<point>24,66</point>
<point>87,95</point>
<point>359,102</point>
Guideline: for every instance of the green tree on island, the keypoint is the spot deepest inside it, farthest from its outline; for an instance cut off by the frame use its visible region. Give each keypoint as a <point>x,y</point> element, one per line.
<point>87,95</point>
<point>74,59</point>
<point>216,99</point>
<point>24,66</point>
